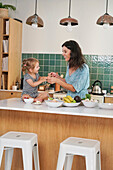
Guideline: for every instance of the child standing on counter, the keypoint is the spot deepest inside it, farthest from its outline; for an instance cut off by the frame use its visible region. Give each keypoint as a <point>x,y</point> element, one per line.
<point>32,79</point>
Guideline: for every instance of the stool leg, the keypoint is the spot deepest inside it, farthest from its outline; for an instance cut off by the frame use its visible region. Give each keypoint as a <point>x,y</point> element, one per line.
<point>36,157</point>
<point>8,158</point>
<point>91,161</point>
<point>27,157</point>
<point>98,161</point>
<point>68,162</point>
<point>61,159</point>
<point>1,154</point>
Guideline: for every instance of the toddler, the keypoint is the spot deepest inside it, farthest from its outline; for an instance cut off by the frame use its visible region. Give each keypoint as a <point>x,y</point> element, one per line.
<point>32,80</point>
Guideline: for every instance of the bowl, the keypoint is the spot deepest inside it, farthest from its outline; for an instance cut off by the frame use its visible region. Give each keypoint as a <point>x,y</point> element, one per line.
<point>52,103</point>
<point>29,101</point>
<point>105,105</point>
<point>89,103</point>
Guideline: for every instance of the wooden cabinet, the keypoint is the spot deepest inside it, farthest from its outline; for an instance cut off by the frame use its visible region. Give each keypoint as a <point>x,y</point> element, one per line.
<point>108,100</point>
<point>10,94</point>
<point>10,52</point>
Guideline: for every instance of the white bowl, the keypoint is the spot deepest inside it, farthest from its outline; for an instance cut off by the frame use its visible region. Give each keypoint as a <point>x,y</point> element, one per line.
<point>89,103</point>
<point>51,103</point>
<point>71,104</point>
<point>29,101</point>
<point>106,105</point>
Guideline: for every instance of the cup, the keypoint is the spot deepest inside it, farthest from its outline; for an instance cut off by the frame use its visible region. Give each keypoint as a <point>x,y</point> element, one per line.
<point>14,87</point>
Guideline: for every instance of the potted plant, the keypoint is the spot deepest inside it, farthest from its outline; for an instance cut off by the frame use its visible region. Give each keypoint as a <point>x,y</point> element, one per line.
<point>4,9</point>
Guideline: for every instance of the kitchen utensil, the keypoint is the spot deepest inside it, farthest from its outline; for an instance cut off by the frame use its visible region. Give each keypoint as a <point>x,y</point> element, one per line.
<point>14,87</point>
<point>96,89</point>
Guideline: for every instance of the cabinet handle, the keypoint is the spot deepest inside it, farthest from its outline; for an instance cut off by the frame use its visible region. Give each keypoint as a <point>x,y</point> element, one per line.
<point>11,93</point>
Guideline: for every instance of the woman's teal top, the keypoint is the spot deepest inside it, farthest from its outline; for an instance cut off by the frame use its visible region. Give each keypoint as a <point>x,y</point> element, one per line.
<point>80,81</point>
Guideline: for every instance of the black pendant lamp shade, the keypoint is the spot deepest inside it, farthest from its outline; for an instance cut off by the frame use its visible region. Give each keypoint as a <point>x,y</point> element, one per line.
<point>66,21</point>
<point>35,20</point>
<point>106,18</point>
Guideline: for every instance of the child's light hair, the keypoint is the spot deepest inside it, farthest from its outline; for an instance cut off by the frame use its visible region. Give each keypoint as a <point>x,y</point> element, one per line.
<point>29,64</point>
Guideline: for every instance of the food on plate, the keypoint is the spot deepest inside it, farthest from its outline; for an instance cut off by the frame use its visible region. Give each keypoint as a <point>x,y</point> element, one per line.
<point>54,100</point>
<point>68,99</point>
<point>88,96</point>
<point>88,99</point>
<point>92,100</point>
<point>26,97</point>
<point>77,99</point>
<point>37,102</point>
<point>50,98</point>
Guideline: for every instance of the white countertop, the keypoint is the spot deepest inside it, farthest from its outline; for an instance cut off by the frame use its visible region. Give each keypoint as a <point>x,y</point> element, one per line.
<point>17,104</point>
<point>21,91</point>
<point>108,95</point>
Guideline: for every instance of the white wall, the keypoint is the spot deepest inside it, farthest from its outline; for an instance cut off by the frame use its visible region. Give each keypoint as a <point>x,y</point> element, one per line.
<point>92,38</point>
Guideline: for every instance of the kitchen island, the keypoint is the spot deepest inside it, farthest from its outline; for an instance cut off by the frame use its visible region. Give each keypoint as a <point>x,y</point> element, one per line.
<point>53,125</point>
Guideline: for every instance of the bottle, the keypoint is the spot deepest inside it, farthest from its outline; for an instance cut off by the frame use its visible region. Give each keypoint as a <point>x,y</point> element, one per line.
<point>21,85</point>
<point>57,87</point>
<point>17,84</point>
<point>111,90</point>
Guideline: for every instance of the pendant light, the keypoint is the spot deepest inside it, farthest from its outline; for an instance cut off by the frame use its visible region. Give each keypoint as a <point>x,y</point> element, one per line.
<point>35,20</point>
<point>69,21</point>
<point>105,19</point>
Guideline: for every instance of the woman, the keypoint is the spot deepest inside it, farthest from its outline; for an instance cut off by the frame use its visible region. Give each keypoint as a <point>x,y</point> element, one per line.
<point>76,80</point>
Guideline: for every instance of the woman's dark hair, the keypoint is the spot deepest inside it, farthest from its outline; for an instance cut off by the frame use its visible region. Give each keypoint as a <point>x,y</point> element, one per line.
<point>77,59</point>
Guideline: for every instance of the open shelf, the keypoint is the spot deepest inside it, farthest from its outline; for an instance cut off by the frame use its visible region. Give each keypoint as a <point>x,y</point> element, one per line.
<point>10,53</point>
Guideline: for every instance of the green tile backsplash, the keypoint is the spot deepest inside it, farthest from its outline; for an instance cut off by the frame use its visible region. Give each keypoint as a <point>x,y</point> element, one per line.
<point>101,67</point>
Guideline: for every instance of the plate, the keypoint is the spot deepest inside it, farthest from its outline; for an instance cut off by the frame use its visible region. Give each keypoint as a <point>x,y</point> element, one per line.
<point>52,103</point>
<point>105,105</point>
<point>37,103</point>
<point>71,104</point>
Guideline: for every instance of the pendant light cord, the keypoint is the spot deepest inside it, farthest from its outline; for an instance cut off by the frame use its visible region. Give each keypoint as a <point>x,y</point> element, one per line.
<point>106,6</point>
<point>36,7</point>
<point>69,7</point>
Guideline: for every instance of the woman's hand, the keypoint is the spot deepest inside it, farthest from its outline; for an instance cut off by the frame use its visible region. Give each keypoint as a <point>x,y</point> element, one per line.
<point>53,74</point>
<point>51,80</point>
